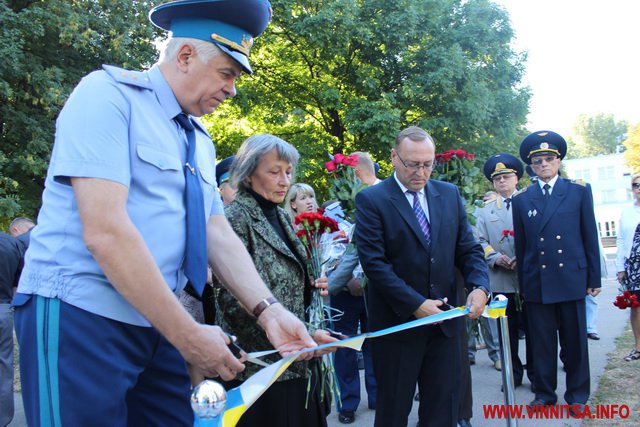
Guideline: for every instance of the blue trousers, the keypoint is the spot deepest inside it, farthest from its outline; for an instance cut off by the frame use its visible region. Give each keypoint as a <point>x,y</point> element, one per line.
<point>81,369</point>
<point>6,364</point>
<point>346,360</point>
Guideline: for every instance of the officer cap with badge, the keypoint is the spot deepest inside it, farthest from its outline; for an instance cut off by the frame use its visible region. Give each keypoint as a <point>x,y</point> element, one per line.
<point>541,143</point>
<point>230,24</point>
<point>502,163</point>
<point>222,170</point>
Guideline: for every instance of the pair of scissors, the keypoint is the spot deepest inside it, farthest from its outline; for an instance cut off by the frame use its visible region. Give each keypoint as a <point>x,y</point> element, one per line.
<point>445,305</point>
<point>254,357</point>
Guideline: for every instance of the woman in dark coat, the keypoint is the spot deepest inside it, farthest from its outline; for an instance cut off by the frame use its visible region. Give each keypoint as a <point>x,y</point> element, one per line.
<point>262,172</point>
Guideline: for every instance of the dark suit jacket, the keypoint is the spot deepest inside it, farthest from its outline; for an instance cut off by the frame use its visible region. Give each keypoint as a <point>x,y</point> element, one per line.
<point>556,242</point>
<point>402,269</point>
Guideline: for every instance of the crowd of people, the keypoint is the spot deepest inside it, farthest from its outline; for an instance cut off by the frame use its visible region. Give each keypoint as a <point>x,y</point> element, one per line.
<point>149,261</point>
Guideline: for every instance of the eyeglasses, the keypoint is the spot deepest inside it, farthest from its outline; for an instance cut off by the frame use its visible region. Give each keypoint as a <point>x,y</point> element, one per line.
<point>635,185</point>
<point>503,177</point>
<point>539,160</point>
<point>415,166</point>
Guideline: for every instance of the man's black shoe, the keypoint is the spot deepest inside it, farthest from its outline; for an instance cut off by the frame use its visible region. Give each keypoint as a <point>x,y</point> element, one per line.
<point>464,423</point>
<point>472,361</point>
<point>540,402</point>
<point>347,417</point>
<point>593,336</point>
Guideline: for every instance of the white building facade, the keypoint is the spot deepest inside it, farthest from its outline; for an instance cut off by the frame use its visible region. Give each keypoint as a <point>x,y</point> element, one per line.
<point>610,182</point>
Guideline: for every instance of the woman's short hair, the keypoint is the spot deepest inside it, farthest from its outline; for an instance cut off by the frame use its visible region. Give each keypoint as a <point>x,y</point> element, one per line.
<point>634,177</point>
<point>205,50</point>
<point>294,191</point>
<point>252,150</point>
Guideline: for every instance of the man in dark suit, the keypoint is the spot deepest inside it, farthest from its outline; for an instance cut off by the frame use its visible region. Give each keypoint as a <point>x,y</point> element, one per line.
<point>556,245</point>
<point>412,234</point>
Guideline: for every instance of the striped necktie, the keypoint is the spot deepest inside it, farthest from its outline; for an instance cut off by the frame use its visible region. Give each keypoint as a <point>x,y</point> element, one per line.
<point>195,265</point>
<point>420,215</point>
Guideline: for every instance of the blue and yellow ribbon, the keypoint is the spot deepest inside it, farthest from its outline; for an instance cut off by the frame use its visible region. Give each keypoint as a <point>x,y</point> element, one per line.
<point>239,399</point>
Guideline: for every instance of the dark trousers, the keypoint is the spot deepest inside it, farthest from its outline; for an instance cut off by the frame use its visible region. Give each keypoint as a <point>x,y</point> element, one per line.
<point>465,407</point>
<point>516,318</point>
<point>546,323</point>
<point>429,358</point>
<point>346,360</point>
<point>81,369</point>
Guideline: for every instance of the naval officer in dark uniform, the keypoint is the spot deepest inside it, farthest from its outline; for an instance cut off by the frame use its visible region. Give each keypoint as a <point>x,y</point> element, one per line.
<point>556,245</point>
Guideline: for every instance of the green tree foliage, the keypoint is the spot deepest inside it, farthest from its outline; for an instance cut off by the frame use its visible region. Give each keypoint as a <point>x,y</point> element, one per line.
<point>345,75</point>
<point>331,76</point>
<point>632,146</point>
<point>47,46</point>
<point>596,135</point>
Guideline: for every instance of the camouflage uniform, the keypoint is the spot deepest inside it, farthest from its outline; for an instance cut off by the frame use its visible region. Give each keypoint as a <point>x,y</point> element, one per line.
<point>279,269</point>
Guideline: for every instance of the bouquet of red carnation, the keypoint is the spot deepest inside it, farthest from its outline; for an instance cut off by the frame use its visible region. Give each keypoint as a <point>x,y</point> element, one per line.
<point>626,300</point>
<point>458,167</point>
<point>315,234</point>
<point>505,235</point>
<point>345,185</point>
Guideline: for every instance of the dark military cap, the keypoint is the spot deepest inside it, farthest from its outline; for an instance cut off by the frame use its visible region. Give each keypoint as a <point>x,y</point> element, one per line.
<point>230,24</point>
<point>542,142</point>
<point>502,163</point>
<point>222,170</point>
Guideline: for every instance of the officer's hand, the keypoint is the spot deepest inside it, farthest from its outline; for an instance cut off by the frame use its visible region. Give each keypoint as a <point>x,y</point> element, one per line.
<point>593,291</point>
<point>429,307</point>
<point>476,301</point>
<point>622,275</point>
<point>513,264</point>
<point>504,261</point>
<point>285,331</point>
<point>355,287</point>
<point>207,349</point>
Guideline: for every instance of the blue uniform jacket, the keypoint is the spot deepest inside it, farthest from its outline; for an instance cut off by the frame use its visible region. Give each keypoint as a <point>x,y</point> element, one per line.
<point>556,242</point>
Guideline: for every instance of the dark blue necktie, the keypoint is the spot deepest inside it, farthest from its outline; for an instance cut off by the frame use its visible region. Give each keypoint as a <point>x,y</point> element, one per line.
<point>547,189</point>
<point>420,215</point>
<point>195,266</point>
<point>507,202</point>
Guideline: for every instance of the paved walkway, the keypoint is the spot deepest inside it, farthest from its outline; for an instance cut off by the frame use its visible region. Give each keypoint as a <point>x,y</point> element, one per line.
<point>487,381</point>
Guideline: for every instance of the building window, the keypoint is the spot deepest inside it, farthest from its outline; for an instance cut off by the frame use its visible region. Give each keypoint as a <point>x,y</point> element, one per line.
<point>606,172</point>
<point>583,174</point>
<point>609,229</point>
<point>609,196</point>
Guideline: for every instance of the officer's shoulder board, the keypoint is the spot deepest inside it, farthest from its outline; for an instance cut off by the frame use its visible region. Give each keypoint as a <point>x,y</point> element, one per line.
<point>579,182</point>
<point>489,202</point>
<point>132,78</point>
<point>519,192</point>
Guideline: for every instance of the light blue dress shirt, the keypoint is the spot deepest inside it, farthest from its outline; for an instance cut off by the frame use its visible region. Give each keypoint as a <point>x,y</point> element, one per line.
<point>117,125</point>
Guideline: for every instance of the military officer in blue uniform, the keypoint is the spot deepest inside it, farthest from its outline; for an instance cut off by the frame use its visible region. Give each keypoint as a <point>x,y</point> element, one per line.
<point>130,212</point>
<point>556,244</point>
